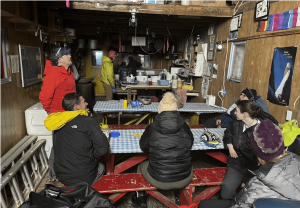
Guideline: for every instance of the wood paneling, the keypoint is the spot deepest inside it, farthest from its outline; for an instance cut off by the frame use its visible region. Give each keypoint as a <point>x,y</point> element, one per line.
<point>208,3</point>
<point>14,98</point>
<point>258,61</point>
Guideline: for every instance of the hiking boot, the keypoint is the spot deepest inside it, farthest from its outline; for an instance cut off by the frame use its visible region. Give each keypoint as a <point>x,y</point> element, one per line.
<point>139,199</point>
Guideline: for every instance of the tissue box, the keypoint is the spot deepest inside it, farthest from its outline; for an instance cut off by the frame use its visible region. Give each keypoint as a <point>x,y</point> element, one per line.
<point>210,100</point>
<point>163,82</point>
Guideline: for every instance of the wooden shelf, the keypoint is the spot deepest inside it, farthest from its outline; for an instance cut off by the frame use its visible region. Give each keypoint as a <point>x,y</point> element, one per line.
<point>192,94</point>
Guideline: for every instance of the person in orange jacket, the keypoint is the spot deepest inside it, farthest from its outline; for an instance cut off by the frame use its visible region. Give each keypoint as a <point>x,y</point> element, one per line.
<point>58,82</point>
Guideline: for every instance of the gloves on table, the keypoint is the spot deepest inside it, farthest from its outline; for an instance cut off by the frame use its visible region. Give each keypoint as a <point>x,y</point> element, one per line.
<point>114,89</point>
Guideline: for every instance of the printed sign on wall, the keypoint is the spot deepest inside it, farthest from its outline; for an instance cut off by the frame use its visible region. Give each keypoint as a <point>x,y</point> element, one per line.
<point>280,81</point>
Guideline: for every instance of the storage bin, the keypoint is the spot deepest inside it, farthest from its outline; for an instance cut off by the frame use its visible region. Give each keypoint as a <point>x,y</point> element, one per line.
<point>163,82</point>
<point>34,120</point>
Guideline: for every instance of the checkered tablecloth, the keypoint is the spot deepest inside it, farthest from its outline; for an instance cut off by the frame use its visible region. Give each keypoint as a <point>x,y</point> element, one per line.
<point>128,143</point>
<point>106,106</point>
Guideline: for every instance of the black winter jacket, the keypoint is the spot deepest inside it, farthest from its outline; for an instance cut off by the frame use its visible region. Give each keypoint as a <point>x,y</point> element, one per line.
<point>168,140</point>
<point>134,65</point>
<point>241,144</point>
<point>124,71</point>
<point>77,146</point>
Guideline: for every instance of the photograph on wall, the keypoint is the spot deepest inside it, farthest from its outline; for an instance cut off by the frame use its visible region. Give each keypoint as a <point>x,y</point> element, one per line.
<point>280,81</point>
<point>262,10</point>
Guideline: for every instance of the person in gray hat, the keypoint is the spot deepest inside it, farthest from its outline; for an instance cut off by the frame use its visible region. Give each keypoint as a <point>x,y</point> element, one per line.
<point>124,69</point>
<point>58,82</point>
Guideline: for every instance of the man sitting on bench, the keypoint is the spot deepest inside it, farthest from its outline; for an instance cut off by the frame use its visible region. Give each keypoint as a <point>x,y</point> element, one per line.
<point>168,140</point>
<point>77,142</point>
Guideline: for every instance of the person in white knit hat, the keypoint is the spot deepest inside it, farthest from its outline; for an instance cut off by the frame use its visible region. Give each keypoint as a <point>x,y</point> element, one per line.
<point>168,141</point>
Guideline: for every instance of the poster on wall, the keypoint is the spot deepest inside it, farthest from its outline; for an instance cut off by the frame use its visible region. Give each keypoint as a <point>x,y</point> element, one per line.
<point>280,81</point>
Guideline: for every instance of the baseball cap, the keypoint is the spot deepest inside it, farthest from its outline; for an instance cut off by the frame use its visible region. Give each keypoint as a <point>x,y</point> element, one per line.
<point>57,53</point>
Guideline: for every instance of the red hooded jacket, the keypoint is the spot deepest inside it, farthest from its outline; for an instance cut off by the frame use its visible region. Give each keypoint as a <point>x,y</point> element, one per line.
<point>56,84</point>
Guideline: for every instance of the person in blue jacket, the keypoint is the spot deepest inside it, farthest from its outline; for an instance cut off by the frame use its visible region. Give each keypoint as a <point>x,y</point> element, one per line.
<point>223,120</point>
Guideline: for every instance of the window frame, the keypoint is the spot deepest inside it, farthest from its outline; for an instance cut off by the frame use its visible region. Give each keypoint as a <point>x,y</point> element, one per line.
<point>232,54</point>
<point>96,57</point>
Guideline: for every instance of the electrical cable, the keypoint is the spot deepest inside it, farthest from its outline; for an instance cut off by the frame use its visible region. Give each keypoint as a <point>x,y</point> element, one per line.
<point>225,66</point>
<point>220,98</point>
<point>296,101</point>
<point>238,7</point>
<point>168,29</point>
<point>147,52</point>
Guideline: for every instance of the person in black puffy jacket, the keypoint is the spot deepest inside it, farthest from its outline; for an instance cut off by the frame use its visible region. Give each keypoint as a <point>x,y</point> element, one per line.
<point>236,140</point>
<point>168,140</point>
<point>124,69</point>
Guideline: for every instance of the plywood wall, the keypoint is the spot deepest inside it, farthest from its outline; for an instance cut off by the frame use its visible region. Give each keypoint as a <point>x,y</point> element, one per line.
<point>258,60</point>
<point>15,99</point>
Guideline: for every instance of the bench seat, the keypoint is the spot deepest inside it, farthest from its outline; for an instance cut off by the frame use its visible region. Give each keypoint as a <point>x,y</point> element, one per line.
<point>120,184</point>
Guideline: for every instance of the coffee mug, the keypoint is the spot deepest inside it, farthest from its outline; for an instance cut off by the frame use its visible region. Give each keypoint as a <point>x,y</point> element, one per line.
<point>150,83</point>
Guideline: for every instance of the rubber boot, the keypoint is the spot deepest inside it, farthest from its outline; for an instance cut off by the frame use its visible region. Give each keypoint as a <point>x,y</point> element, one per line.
<point>177,193</point>
<point>139,199</point>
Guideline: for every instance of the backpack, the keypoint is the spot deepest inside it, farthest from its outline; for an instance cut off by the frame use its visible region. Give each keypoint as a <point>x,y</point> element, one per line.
<point>81,195</point>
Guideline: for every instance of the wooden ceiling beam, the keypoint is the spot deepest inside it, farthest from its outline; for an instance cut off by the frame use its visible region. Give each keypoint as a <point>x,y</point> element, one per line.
<point>109,6</point>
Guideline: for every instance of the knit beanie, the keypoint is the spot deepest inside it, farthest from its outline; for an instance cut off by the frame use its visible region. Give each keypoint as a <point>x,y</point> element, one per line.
<point>168,103</point>
<point>112,54</point>
<point>248,93</point>
<point>126,59</point>
<point>267,141</point>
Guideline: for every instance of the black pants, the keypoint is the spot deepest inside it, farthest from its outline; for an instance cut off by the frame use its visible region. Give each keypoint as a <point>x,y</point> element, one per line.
<point>233,179</point>
<point>214,203</point>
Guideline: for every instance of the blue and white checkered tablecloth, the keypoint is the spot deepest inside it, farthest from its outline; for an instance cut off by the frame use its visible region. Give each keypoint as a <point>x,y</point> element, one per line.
<point>106,106</point>
<point>128,143</point>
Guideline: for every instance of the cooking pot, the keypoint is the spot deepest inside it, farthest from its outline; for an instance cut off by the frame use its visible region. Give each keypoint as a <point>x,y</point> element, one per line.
<point>140,73</point>
<point>145,100</point>
<point>187,86</point>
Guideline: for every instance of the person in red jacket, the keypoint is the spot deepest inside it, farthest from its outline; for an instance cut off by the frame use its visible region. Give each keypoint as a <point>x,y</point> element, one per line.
<point>58,82</point>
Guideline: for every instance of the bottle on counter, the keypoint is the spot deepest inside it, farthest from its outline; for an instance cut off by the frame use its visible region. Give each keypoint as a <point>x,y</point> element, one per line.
<point>105,130</point>
<point>174,82</point>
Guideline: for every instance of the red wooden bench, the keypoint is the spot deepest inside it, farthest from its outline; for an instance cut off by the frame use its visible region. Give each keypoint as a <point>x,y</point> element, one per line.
<point>121,184</point>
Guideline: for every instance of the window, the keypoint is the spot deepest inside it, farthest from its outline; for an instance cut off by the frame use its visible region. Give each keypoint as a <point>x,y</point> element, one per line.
<point>236,62</point>
<point>96,58</point>
<point>5,66</point>
<point>145,60</point>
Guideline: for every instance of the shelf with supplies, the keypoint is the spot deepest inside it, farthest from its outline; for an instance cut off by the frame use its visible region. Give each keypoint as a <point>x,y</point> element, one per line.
<point>190,75</point>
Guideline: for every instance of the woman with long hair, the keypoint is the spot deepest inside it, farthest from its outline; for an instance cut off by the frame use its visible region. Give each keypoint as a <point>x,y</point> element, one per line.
<point>236,140</point>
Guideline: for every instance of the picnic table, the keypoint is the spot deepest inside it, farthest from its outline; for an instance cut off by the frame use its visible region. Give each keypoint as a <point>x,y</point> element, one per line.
<point>120,184</point>
<point>113,107</point>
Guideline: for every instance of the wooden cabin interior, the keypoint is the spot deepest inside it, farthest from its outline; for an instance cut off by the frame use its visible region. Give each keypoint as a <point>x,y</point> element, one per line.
<point>108,23</point>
